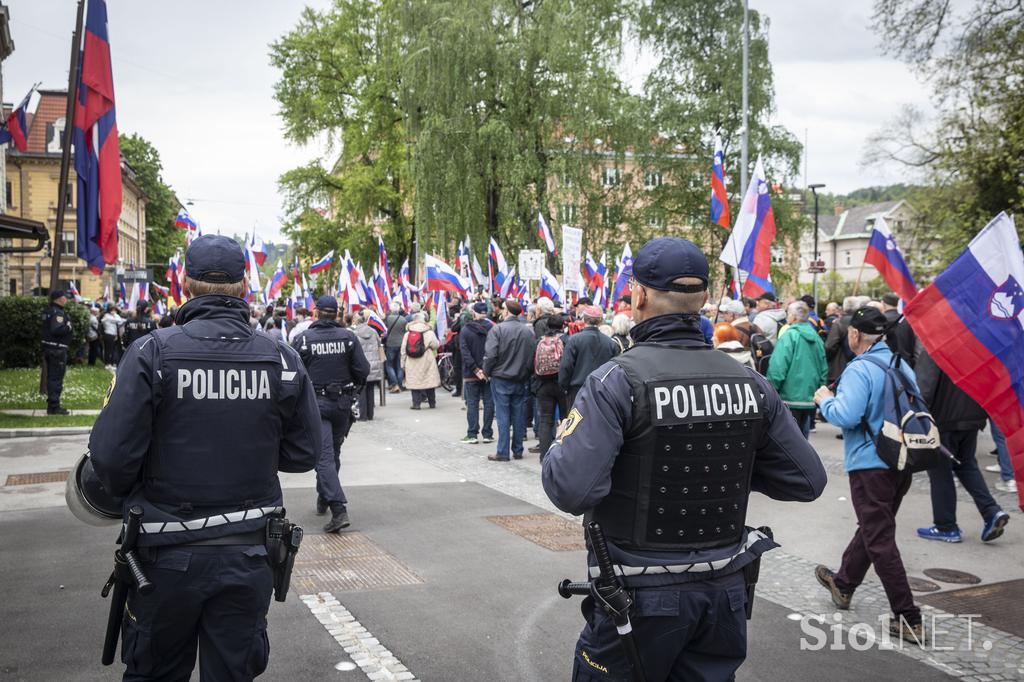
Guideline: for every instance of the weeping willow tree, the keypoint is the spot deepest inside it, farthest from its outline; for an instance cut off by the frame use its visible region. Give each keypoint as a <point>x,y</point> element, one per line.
<point>505,99</point>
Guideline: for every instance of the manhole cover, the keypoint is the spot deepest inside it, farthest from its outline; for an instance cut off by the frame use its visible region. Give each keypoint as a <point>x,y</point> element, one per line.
<point>41,477</point>
<point>346,561</point>
<point>922,585</point>
<point>948,575</point>
<point>995,603</point>
<point>547,530</point>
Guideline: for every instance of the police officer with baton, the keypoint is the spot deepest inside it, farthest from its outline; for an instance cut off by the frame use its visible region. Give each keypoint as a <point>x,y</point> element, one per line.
<point>661,450</point>
<point>196,425</point>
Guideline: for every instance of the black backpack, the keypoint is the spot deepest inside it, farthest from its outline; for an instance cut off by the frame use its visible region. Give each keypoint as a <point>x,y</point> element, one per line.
<point>761,349</point>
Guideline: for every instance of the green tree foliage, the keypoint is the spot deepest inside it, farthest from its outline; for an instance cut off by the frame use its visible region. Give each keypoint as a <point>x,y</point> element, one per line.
<point>972,154</point>
<point>21,327</point>
<point>162,237</point>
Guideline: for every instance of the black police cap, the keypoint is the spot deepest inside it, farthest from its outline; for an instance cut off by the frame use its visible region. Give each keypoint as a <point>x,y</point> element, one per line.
<point>869,320</point>
<point>663,260</point>
<point>57,293</point>
<point>326,302</point>
<point>214,258</point>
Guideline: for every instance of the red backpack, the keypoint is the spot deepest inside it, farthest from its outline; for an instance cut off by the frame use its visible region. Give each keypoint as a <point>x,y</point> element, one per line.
<point>548,356</point>
<point>414,345</point>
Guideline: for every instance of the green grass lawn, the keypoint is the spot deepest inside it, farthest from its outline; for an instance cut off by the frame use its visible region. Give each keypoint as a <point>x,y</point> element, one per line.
<point>84,389</point>
<point>8,421</point>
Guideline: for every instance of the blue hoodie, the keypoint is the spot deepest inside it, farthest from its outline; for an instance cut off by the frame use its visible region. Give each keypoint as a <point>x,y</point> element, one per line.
<point>859,397</point>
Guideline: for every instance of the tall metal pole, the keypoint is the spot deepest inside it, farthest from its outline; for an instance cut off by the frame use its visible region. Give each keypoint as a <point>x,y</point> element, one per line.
<point>817,257</point>
<point>746,68</point>
<point>65,160</point>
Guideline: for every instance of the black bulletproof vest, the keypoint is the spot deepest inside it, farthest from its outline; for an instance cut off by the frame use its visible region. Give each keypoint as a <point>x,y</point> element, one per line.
<point>137,328</point>
<point>326,350</point>
<point>229,387</point>
<point>682,477</point>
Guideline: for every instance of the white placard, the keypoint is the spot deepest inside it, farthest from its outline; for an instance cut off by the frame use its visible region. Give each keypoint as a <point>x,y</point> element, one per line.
<point>572,257</point>
<point>531,263</point>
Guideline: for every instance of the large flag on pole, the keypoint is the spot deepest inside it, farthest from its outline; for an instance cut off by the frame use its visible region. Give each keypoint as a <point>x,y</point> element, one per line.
<point>497,265</point>
<point>322,264</point>
<point>15,128</point>
<point>888,260</point>
<point>623,271</point>
<point>277,281</point>
<point>971,320</point>
<point>750,243</point>
<point>441,277</point>
<point>719,199</point>
<point>184,220</point>
<point>97,152</point>
<point>544,232</point>
<point>384,266</point>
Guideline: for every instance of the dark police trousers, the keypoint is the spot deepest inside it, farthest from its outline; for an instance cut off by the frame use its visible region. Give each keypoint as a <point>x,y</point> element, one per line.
<point>206,597</point>
<point>695,632</point>
<point>335,421</point>
<point>56,360</point>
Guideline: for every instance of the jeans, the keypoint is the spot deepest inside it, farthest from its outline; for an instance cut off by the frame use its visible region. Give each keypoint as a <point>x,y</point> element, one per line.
<point>393,366</point>
<point>876,495</point>
<point>550,399</point>
<point>804,419</point>
<point>510,399</point>
<point>1005,468</point>
<point>963,445</point>
<point>474,392</point>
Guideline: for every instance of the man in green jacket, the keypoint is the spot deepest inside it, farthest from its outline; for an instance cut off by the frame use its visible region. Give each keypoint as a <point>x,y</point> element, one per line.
<point>798,366</point>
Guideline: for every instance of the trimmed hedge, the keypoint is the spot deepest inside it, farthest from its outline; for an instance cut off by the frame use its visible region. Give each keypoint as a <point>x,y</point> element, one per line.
<point>21,329</point>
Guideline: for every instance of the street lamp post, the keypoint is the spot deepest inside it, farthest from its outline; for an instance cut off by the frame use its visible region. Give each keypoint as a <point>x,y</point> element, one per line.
<point>814,281</point>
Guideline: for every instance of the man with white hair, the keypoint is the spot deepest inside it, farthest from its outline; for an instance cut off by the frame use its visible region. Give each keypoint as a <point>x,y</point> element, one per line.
<point>733,312</point>
<point>798,365</point>
<point>545,309</point>
<point>394,332</point>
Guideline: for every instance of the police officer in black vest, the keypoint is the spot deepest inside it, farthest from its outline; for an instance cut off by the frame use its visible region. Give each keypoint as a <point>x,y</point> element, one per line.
<point>662,447</point>
<point>138,326</point>
<point>56,339</point>
<point>197,423</point>
<point>336,364</point>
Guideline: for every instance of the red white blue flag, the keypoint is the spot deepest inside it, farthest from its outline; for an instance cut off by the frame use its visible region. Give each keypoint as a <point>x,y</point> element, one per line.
<point>97,152</point>
<point>623,271</point>
<point>589,269</point>
<point>15,128</point>
<point>544,232</point>
<point>750,243</point>
<point>888,260</point>
<point>184,221</point>
<point>258,248</point>
<point>441,277</point>
<point>719,199</point>
<point>496,265</point>
<point>322,264</point>
<point>384,266</point>
<point>550,287</point>
<point>277,282</point>
<point>597,284</point>
<point>374,322</point>
<point>971,320</point>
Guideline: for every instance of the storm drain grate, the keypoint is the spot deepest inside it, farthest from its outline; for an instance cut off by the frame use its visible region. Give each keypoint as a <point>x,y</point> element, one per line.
<point>997,604</point>
<point>922,585</point>
<point>948,575</point>
<point>547,530</point>
<point>346,561</point>
<point>40,477</point>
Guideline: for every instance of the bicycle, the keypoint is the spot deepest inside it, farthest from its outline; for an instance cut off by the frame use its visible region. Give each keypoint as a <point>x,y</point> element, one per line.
<point>446,368</point>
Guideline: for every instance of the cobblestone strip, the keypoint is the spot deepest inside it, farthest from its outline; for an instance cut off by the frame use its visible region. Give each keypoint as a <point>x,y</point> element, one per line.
<point>364,649</point>
<point>976,653</point>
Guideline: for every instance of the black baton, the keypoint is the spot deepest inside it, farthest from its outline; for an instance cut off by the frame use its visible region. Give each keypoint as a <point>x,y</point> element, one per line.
<point>127,573</point>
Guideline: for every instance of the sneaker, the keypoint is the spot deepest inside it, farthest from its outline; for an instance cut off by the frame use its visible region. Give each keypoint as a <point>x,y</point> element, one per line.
<point>909,634</point>
<point>339,520</point>
<point>1007,486</point>
<point>394,389</point>
<point>487,439</point>
<point>469,440</point>
<point>994,468</point>
<point>827,578</point>
<point>933,533</point>
<point>994,527</point>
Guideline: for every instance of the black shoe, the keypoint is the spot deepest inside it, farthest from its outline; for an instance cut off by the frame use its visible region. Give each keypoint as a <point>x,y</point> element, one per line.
<point>535,449</point>
<point>515,456</point>
<point>58,410</point>
<point>414,407</point>
<point>321,506</point>
<point>339,520</point>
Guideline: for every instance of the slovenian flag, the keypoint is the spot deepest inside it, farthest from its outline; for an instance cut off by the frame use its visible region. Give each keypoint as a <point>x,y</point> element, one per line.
<point>544,232</point>
<point>384,266</point>
<point>74,291</point>
<point>623,271</point>
<point>971,320</point>
<point>441,277</point>
<point>597,284</point>
<point>590,269</point>
<point>719,199</point>
<point>550,287</point>
<point>277,282</point>
<point>258,248</point>
<point>184,220</point>
<point>497,266</point>
<point>888,260</point>
<point>322,264</point>
<point>374,322</point>
<point>750,243</point>
<point>15,129</point>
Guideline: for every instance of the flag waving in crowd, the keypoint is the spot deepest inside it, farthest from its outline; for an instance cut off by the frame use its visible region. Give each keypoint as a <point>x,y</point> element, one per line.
<point>750,243</point>
<point>15,128</point>
<point>719,199</point>
<point>544,232</point>
<point>888,260</point>
<point>184,220</point>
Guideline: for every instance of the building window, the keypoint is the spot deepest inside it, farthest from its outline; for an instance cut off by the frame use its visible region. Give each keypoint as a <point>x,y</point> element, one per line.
<point>611,177</point>
<point>69,196</point>
<point>14,286</point>
<point>567,214</point>
<point>9,194</point>
<point>778,257</point>
<point>567,180</point>
<point>67,244</point>
<point>849,259</point>
<point>656,220</point>
<point>611,215</point>
<point>652,179</point>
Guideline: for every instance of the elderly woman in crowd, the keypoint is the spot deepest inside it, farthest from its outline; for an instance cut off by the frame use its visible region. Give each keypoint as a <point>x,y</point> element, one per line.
<point>419,361</point>
<point>621,324</point>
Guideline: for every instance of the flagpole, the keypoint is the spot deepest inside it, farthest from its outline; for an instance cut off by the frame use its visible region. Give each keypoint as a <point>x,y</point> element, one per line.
<point>860,273</point>
<point>65,159</point>
<point>744,157</point>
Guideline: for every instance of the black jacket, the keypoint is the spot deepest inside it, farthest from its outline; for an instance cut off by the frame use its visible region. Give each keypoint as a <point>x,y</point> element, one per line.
<point>952,409</point>
<point>56,327</point>
<point>584,352</point>
<point>472,340</point>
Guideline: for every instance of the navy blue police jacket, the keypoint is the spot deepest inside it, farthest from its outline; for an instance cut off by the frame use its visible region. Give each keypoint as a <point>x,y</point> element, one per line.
<point>56,327</point>
<point>577,470</point>
<point>199,420</point>
<point>332,355</point>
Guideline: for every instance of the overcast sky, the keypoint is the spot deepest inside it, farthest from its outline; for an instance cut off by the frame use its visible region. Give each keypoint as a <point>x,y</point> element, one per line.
<point>193,77</point>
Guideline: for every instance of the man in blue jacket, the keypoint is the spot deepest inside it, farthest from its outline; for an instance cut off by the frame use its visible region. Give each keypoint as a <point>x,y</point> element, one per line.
<point>875,490</point>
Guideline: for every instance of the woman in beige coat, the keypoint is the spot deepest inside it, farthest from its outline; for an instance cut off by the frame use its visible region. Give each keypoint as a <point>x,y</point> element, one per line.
<point>421,375</point>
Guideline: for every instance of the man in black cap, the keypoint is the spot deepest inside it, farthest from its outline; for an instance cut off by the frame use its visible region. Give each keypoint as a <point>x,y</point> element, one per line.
<point>336,364</point>
<point>662,448</point>
<point>57,336</point>
<point>875,490</point>
<point>196,425</point>
<point>138,326</point>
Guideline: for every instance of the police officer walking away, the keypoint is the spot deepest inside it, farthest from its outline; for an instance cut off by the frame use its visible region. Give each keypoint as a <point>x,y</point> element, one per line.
<point>56,339</point>
<point>197,423</point>
<point>662,449</point>
<point>338,368</point>
<point>138,326</point>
